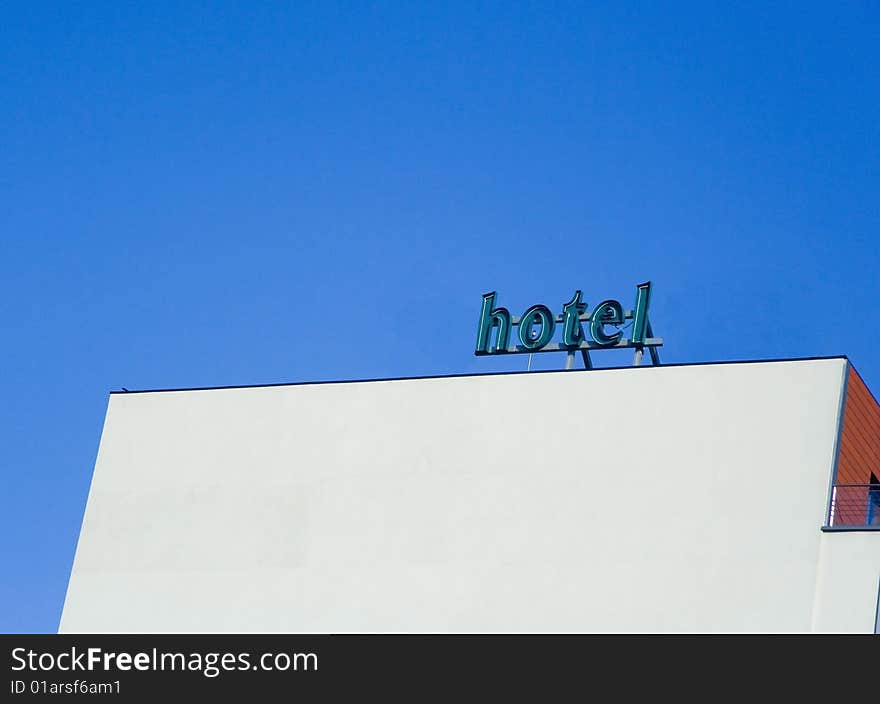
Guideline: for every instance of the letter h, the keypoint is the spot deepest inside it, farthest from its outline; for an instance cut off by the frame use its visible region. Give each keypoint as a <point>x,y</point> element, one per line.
<point>491,317</point>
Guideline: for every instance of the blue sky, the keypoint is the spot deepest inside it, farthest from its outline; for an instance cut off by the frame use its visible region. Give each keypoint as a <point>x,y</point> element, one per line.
<point>246,194</point>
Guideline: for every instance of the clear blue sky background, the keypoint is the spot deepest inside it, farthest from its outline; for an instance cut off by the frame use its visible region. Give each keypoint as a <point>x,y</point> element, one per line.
<point>245,194</point>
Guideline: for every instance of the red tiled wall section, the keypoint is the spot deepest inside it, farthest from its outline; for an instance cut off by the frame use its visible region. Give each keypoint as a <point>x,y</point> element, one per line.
<point>859,452</point>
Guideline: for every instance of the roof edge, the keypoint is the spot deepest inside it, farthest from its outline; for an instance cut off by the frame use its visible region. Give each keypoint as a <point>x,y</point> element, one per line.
<point>455,376</point>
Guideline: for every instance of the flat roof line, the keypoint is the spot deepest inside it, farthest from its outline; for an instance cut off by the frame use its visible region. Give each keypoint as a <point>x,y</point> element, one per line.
<point>455,376</point>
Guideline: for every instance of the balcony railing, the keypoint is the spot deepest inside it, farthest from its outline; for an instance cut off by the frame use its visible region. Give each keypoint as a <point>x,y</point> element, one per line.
<point>855,505</point>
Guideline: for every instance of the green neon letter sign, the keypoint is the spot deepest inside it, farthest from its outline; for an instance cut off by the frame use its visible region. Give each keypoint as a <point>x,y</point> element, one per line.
<point>606,313</point>
<point>640,313</point>
<point>491,317</point>
<point>536,315</point>
<point>572,332</point>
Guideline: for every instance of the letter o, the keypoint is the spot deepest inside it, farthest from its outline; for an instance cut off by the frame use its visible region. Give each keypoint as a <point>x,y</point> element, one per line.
<point>533,316</point>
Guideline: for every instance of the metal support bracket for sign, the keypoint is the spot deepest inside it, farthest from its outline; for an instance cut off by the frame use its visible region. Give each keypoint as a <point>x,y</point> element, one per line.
<point>651,343</point>
<point>655,355</point>
<point>585,355</point>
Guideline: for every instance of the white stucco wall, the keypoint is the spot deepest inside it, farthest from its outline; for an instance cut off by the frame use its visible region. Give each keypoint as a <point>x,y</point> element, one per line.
<point>655,499</point>
<point>848,582</point>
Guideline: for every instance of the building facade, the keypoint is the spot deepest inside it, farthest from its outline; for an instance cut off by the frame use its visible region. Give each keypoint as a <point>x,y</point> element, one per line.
<point>730,497</point>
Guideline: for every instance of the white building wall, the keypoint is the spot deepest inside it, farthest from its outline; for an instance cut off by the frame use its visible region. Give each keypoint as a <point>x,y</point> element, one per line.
<point>848,584</point>
<point>653,499</point>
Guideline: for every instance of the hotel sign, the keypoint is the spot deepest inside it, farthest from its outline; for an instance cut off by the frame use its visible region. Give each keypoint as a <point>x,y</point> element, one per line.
<point>606,325</point>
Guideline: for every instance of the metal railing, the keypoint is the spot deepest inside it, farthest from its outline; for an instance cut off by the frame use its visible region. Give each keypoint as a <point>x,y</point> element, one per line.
<point>855,505</point>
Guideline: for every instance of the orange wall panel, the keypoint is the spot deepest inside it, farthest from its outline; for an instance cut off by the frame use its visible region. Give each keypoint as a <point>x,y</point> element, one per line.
<point>859,454</point>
